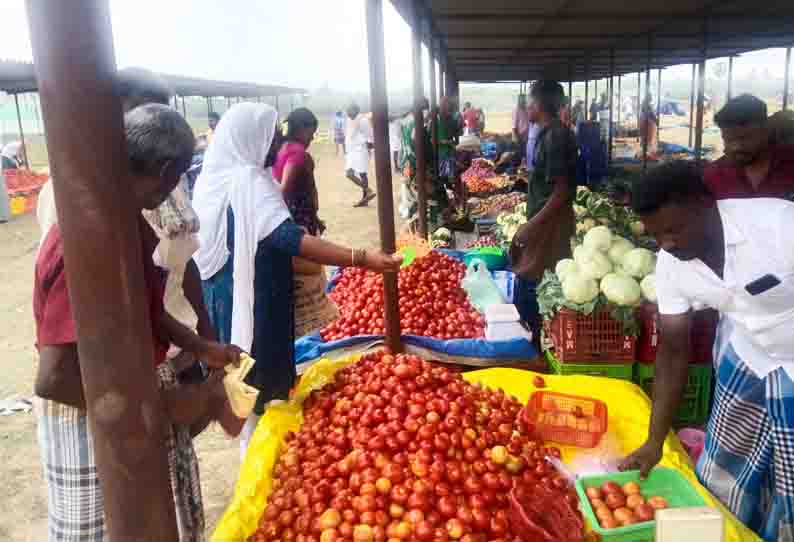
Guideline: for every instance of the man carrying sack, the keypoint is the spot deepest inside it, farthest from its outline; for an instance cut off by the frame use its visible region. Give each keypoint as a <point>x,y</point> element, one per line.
<point>545,238</point>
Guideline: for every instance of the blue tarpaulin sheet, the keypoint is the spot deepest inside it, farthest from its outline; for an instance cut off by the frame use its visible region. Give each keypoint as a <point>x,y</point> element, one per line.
<point>312,347</point>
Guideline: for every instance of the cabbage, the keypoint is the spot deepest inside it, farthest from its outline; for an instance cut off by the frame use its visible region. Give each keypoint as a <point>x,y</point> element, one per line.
<point>598,238</point>
<point>621,290</point>
<point>579,289</point>
<point>637,228</point>
<point>592,263</point>
<point>638,262</point>
<point>564,267</point>
<point>585,225</point>
<point>618,249</point>
<point>648,287</point>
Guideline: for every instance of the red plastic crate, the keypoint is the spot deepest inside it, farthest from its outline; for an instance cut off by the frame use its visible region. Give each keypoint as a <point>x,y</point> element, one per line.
<point>701,334</point>
<point>554,417</point>
<point>581,338</point>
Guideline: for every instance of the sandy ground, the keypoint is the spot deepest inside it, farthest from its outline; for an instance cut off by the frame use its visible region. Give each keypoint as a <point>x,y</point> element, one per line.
<point>23,516</point>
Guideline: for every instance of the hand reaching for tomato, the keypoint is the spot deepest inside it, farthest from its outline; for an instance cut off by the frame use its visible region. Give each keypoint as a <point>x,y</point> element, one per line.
<point>643,459</point>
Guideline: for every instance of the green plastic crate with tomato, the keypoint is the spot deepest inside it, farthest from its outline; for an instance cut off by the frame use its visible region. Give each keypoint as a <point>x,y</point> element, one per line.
<point>669,485</point>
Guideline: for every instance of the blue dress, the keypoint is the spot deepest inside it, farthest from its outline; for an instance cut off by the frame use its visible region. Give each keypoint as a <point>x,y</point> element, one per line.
<point>273,347</point>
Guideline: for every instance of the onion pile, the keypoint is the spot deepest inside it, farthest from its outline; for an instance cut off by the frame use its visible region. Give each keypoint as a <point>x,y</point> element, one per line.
<point>396,448</point>
<point>432,302</point>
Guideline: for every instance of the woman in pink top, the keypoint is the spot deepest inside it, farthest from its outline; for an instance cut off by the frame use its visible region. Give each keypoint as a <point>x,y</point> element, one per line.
<point>294,169</point>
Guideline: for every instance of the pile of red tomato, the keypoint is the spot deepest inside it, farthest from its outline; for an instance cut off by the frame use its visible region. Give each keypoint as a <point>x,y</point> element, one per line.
<point>396,448</point>
<point>432,302</point>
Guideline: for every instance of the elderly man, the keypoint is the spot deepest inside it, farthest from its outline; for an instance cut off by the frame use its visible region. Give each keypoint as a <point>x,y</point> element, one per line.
<point>735,256</point>
<point>752,166</point>
<point>160,145</point>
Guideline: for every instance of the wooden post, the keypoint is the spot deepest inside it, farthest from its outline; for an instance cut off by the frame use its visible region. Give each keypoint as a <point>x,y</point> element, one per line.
<point>786,71</point>
<point>21,131</point>
<point>108,295</point>
<point>692,104</point>
<point>380,126</point>
<point>701,93</point>
<point>419,121</point>
<point>730,77</point>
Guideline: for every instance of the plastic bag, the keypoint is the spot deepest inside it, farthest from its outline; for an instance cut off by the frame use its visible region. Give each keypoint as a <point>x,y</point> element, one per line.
<point>481,288</point>
<point>242,397</point>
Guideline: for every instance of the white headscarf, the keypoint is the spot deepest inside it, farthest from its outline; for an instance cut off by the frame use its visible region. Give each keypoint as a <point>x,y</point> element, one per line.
<point>234,175</point>
<point>11,150</point>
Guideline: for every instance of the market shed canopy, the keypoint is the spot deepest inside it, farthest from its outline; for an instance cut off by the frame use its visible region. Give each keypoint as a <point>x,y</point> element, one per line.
<point>19,77</point>
<point>572,40</point>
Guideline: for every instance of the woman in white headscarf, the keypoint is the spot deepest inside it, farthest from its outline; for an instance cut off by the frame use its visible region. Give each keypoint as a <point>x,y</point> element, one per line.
<point>247,242</point>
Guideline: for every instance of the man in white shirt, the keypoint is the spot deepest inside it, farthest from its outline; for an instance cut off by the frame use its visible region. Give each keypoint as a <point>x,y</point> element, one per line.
<point>736,256</point>
<point>358,142</point>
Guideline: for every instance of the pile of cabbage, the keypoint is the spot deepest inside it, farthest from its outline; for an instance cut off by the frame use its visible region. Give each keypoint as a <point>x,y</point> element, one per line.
<point>509,222</point>
<point>606,270</point>
<point>597,209</point>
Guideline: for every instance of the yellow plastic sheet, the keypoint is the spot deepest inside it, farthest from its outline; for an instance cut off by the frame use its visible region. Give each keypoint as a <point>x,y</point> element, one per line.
<point>629,413</point>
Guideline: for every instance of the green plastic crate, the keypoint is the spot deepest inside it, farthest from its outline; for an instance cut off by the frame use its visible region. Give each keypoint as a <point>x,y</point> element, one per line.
<point>620,371</point>
<point>697,394</point>
<point>661,482</point>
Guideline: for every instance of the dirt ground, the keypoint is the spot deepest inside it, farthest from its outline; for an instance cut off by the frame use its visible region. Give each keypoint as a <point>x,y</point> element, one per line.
<point>23,516</point>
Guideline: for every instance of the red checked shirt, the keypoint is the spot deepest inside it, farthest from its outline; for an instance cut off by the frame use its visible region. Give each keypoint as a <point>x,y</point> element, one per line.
<point>727,181</point>
<point>52,309</point>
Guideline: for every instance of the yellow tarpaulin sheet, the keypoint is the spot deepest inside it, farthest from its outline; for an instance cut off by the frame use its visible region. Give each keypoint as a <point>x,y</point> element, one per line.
<point>629,413</point>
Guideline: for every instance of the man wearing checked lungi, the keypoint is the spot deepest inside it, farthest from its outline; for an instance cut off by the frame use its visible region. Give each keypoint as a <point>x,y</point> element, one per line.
<point>736,256</point>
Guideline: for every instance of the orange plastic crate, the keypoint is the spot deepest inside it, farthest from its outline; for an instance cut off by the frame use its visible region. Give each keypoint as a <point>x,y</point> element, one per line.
<point>554,416</point>
<point>581,338</point>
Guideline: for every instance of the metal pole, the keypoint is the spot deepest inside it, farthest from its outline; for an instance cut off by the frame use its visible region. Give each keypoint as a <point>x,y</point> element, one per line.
<point>21,131</point>
<point>419,126</point>
<point>620,102</point>
<point>277,109</point>
<point>108,297</point>
<point>787,76</point>
<point>692,104</point>
<point>433,105</point>
<point>701,92</point>
<point>730,77</point>
<point>209,105</point>
<point>184,108</point>
<point>610,117</point>
<point>379,103</point>
<point>647,91</point>
<point>659,97</point>
<point>639,99</point>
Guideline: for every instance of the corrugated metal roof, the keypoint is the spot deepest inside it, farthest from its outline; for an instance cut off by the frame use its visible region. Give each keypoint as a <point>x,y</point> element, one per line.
<point>515,40</point>
<point>17,77</point>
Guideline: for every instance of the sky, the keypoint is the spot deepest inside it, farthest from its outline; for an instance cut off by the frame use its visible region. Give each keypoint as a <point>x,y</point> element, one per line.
<point>302,43</point>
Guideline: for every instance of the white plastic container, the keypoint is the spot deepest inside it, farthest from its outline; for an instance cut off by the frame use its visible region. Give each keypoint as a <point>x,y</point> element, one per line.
<point>701,524</point>
<point>504,323</point>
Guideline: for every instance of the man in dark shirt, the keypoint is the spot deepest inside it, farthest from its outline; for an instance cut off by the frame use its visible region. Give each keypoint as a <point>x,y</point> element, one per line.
<point>545,238</point>
<point>752,167</point>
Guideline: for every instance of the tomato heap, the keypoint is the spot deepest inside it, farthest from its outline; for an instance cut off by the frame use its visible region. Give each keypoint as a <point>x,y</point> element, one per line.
<point>432,303</point>
<point>396,448</point>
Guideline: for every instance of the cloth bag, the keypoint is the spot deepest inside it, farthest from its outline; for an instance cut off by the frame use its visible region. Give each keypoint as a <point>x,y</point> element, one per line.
<point>313,309</point>
<point>537,247</point>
